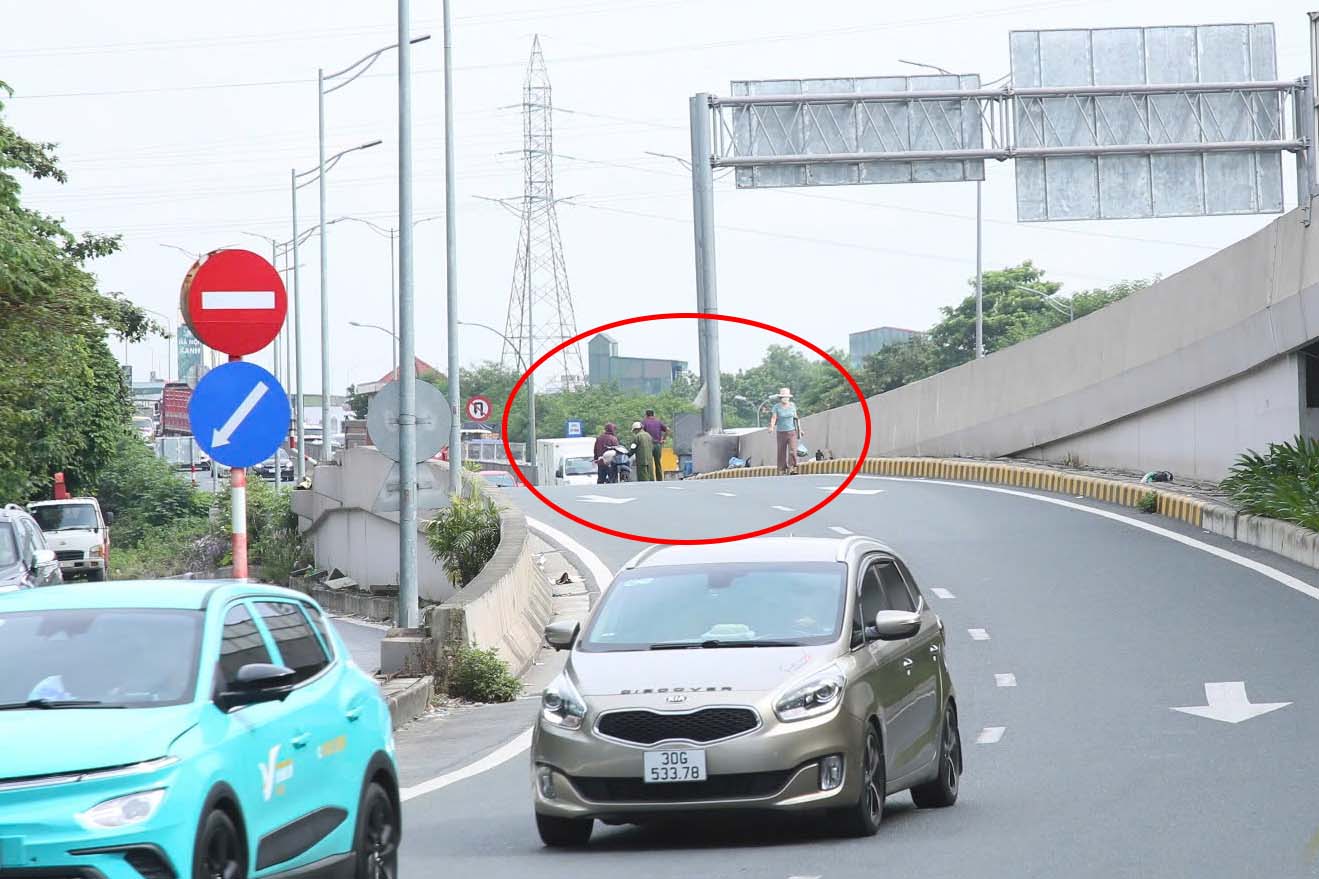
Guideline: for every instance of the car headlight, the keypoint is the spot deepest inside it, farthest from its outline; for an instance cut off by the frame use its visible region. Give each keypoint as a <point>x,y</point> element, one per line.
<point>562,705</point>
<point>122,811</point>
<point>97,551</point>
<point>812,696</point>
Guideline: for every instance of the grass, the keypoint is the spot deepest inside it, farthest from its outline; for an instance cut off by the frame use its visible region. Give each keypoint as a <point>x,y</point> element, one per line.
<point>1282,483</point>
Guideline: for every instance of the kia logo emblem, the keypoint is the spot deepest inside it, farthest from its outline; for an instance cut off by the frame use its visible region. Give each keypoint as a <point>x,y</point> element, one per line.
<point>676,699</point>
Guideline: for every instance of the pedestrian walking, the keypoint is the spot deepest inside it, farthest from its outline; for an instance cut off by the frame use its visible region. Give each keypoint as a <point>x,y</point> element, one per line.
<point>643,454</point>
<point>783,425</point>
<point>658,431</point>
<point>605,471</point>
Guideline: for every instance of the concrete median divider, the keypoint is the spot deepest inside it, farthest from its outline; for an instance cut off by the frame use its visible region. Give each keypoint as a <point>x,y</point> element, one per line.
<point>1287,540</point>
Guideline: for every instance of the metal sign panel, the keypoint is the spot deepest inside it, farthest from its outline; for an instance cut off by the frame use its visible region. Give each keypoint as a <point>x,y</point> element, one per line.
<point>239,414</point>
<point>1179,184</point>
<point>433,420</point>
<point>892,124</point>
<point>191,367</point>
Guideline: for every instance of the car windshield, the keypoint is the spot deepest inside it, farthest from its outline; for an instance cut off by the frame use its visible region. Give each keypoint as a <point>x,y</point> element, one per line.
<point>8,547</point>
<point>62,517</point>
<point>727,605</point>
<point>117,657</point>
<point>578,467</point>
<point>501,479</point>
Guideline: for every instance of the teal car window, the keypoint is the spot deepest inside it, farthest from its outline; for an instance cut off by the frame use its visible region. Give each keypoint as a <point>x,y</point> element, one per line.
<point>318,620</point>
<point>240,644</point>
<point>299,648</point>
<point>122,657</point>
<point>8,547</point>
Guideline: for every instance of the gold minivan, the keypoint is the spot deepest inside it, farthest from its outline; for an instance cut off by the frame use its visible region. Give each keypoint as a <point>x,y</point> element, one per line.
<point>778,674</point>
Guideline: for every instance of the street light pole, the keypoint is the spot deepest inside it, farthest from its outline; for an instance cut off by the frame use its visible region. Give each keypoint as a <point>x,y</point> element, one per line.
<point>409,610</point>
<point>327,439</point>
<point>299,463</point>
<point>529,454</point>
<point>451,266</point>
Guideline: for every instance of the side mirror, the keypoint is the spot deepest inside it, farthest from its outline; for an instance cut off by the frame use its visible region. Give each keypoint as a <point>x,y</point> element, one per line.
<point>257,682</point>
<point>43,558</point>
<point>109,518</point>
<point>896,625</point>
<point>562,634</point>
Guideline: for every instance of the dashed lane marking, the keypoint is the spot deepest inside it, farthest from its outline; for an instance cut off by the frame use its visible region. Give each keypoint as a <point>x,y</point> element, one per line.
<point>978,634</point>
<point>1007,680</point>
<point>839,529</point>
<point>725,494</point>
<point>781,508</point>
<point>990,734</point>
<point>940,592</point>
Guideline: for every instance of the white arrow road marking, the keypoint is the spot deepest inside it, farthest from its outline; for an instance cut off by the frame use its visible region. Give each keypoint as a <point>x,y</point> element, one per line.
<point>839,529</point>
<point>500,755</point>
<point>1228,702</point>
<point>221,435</point>
<point>1007,680</point>
<point>852,490</point>
<point>978,634</point>
<point>940,592</point>
<point>601,499</point>
<point>990,734</point>
<point>781,508</point>
<point>232,300</point>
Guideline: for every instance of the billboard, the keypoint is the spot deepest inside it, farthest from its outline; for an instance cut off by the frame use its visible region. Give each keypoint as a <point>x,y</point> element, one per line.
<point>1218,107</point>
<point>191,367</point>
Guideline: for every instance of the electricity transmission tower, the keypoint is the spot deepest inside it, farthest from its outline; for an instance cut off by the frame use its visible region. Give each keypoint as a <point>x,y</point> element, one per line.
<point>540,312</point>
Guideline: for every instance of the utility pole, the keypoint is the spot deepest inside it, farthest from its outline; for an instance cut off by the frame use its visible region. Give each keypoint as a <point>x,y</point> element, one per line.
<point>299,413</point>
<point>451,267</point>
<point>703,226</point>
<point>408,608</point>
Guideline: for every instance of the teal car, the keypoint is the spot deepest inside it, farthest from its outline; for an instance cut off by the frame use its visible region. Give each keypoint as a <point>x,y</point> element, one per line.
<point>174,729</point>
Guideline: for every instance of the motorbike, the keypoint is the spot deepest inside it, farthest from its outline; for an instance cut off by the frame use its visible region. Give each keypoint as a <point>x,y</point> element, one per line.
<point>619,461</point>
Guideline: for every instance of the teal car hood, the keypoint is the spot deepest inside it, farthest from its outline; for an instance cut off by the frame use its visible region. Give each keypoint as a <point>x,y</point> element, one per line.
<point>55,741</point>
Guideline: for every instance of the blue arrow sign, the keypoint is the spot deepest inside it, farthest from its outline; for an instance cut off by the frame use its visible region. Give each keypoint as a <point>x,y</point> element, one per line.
<point>239,414</point>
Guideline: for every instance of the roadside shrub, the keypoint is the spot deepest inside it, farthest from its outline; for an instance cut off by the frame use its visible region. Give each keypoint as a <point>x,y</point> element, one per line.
<point>145,494</point>
<point>464,536</point>
<point>1282,483</point>
<point>1149,502</point>
<point>164,552</point>
<point>481,676</point>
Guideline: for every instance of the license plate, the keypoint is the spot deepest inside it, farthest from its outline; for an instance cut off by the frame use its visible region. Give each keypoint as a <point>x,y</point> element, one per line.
<point>670,766</point>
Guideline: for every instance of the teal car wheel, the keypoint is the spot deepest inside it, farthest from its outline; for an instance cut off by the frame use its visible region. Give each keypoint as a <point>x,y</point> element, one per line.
<point>377,835</point>
<point>220,853</point>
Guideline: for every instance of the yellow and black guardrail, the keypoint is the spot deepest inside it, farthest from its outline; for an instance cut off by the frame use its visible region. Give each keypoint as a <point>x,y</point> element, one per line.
<point>1128,494</point>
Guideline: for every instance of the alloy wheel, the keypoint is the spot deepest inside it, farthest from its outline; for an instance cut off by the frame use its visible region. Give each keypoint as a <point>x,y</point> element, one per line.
<point>380,839</point>
<point>874,796</point>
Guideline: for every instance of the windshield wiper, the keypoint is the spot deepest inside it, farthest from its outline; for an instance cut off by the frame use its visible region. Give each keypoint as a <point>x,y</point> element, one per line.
<point>56,703</point>
<point>689,645</point>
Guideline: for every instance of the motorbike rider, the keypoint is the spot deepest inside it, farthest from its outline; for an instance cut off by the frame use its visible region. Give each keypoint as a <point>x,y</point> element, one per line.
<point>606,471</point>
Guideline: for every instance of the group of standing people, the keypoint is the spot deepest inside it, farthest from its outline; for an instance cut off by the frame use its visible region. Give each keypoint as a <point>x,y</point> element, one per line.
<point>643,446</point>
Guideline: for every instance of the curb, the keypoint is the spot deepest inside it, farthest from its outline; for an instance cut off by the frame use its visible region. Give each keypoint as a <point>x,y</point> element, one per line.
<point>1287,540</point>
<point>410,702</point>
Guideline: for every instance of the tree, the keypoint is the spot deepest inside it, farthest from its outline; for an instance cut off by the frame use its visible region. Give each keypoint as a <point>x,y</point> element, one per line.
<point>896,365</point>
<point>1010,314</point>
<point>63,404</point>
<point>359,402</point>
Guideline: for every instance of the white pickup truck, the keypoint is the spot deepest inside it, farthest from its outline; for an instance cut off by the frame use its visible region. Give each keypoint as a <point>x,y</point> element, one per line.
<point>79,534</point>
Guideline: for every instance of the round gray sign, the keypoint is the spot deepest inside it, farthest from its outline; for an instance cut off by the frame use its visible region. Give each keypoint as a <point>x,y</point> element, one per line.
<point>433,421</point>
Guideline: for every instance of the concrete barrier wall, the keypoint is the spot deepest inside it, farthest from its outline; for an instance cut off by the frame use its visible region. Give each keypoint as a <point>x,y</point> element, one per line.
<point>1241,310</point>
<point>507,605</point>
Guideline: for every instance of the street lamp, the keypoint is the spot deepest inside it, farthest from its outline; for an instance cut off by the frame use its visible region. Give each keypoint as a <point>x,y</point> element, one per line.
<point>980,280</point>
<point>169,328</point>
<point>1052,299</point>
<point>294,185</point>
<point>390,333</point>
<point>530,454</point>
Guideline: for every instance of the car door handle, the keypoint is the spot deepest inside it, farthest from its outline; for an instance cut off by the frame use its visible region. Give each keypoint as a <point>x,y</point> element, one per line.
<point>353,713</point>
<point>908,662</point>
<point>934,648</point>
<point>302,740</point>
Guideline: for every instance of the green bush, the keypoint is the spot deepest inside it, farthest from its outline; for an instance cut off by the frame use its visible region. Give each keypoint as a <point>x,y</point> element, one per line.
<point>166,551</point>
<point>481,676</point>
<point>464,536</point>
<point>280,553</point>
<point>145,494</point>
<point>1149,502</point>
<point>1283,483</point>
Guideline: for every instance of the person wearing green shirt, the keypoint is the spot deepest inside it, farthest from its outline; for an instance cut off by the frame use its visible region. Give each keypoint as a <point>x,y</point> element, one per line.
<point>783,424</point>
<point>643,454</point>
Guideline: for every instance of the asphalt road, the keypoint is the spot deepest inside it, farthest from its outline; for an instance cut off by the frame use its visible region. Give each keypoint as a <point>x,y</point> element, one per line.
<point>1103,627</point>
<point>363,640</point>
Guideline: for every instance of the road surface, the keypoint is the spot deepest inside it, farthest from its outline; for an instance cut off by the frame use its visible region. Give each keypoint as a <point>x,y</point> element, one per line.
<point>1073,634</point>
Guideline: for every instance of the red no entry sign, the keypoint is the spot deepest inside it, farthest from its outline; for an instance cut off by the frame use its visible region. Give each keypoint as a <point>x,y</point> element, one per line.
<point>234,301</point>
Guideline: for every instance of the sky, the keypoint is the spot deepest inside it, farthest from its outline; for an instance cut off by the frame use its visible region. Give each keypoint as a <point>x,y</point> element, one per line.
<point>179,123</point>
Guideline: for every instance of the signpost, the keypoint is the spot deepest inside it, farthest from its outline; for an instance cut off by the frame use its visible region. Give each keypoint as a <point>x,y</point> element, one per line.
<point>234,301</point>
<point>572,428</point>
<point>433,420</point>
<point>479,408</point>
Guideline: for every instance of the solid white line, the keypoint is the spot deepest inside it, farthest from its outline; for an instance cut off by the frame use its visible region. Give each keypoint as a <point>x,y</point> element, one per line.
<point>990,734</point>
<point>231,300</point>
<point>978,634</point>
<point>940,592</point>
<point>1227,555</point>
<point>500,755</point>
<point>1007,680</point>
<point>599,570</point>
<point>839,529</point>
<point>782,509</point>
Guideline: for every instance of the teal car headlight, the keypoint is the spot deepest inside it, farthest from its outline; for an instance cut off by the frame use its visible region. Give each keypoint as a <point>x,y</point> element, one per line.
<point>122,811</point>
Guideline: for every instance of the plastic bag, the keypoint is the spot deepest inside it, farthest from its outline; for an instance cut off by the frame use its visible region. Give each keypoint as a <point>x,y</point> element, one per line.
<point>802,451</point>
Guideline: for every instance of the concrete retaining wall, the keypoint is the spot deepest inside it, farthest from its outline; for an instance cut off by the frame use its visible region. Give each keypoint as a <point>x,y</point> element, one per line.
<point>1146,367</point>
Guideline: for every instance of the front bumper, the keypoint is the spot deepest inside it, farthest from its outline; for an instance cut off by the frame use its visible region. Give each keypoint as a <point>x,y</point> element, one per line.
<point>775,767</point>
<point>41,839</point>
<point>82,566</point>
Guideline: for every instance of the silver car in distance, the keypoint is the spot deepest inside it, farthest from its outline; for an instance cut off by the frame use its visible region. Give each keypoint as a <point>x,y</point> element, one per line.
<point>775,674</point>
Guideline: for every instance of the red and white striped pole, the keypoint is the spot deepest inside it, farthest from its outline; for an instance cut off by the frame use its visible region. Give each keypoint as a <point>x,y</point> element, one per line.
<point>238,513</point>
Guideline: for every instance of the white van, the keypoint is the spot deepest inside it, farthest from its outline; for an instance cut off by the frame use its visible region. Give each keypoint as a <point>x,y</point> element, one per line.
<point>79,534</point>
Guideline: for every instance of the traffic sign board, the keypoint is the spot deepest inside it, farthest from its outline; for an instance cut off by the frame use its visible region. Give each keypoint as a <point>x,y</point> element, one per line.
<point>433,420</point>
<point>234,301</point>
<point>572,428</point>
<point>239,414</point>
<point>479,408</point>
